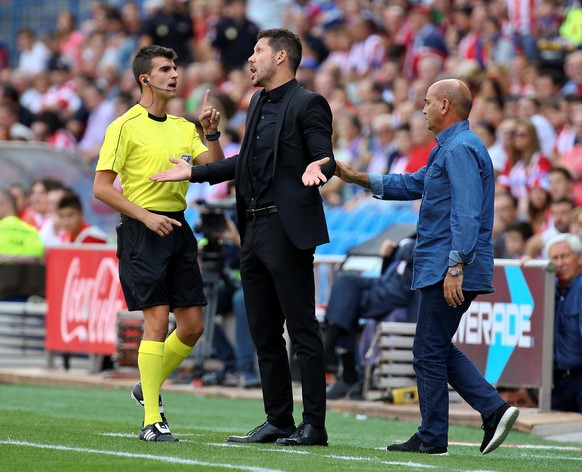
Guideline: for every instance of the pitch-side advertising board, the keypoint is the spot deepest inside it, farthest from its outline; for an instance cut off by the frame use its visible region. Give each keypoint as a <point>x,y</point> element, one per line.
<point>507,334</point>
<point>83,297</point>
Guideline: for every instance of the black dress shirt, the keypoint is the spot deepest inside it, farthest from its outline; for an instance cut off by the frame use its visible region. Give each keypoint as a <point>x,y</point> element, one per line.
<point>258,174</point>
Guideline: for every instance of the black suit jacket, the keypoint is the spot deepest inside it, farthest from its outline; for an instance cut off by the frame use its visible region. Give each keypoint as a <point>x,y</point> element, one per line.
<point>302,135</point>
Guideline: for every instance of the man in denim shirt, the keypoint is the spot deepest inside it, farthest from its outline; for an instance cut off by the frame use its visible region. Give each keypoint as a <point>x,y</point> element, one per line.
<point>453,263</point>
<point>565,251</point>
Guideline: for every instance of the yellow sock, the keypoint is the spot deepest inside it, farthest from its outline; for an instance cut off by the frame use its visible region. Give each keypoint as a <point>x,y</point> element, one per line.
<point>150,360</point>
<point>175,351</point>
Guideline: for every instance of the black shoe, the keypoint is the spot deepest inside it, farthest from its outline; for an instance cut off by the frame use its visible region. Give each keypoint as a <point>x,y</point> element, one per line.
<point>497,427</point>
<point>341,389</point>
<point>157,432</point>
<point>264,433</point>
<point>137,396</point>
<point>414,444</point>
<point>305,435</point>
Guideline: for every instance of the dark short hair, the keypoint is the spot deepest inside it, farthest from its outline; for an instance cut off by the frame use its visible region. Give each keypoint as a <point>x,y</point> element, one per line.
<point>51,118</point>
<point>26,32</point>
<point>512,198</point>
<point>70,200</point>
<point>48,183</point>
<point>521,227</point>
<point>6,196</point>
<point>284,40</point>
<point>10,92</point>
<point>142,62</point>
<point>566,200</point>
<point>573,97</point>
<point>562,170</point>
<point>487,125</point>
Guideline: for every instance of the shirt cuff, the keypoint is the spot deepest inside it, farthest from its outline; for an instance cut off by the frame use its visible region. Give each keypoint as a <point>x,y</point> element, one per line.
<point>454,258</point>
<point>199,173</point>
<point>376,185</point>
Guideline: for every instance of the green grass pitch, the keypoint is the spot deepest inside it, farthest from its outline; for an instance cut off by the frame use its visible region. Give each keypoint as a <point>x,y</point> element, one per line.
<point>89,429</point>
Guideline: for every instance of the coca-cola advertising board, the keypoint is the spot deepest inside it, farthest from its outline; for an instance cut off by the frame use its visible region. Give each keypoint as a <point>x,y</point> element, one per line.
<point>84,297</point>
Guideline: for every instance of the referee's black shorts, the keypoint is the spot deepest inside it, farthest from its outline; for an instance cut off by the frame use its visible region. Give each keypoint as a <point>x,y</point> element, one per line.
<point>156,270</point>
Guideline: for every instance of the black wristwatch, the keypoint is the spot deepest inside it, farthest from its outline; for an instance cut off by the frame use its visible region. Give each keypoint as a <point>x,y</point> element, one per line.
<point>212,137</point>
<point>455,271</point>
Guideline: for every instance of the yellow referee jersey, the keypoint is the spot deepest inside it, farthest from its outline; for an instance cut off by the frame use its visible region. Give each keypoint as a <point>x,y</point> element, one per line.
<point>138,145</point>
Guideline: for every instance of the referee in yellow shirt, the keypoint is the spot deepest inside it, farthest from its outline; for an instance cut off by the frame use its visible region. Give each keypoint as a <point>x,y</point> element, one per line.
<point>157,250</point>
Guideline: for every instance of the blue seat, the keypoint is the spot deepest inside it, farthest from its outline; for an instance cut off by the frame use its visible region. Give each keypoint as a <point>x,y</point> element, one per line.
<point>334,216</point>
<point>349,228</point>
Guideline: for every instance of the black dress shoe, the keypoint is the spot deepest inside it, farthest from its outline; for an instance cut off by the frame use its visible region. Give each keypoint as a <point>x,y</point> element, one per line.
<point>264,433</point>
<point>305,435</point>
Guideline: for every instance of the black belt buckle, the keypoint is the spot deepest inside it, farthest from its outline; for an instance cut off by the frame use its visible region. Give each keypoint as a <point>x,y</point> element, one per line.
<point>253,214</point>
<point>565,373</point>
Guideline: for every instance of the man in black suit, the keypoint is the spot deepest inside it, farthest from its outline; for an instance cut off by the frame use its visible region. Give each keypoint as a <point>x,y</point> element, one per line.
<point>281,221</point>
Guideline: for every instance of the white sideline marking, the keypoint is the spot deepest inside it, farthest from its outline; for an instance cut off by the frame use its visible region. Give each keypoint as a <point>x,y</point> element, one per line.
<point>130,435</point>
<point>285,450</point>
<point>250,445</point>
<point>375,460</point>
<point>523,446</point>
<point>296,451</point>
<point>172,460</point>
<point>556,458</point>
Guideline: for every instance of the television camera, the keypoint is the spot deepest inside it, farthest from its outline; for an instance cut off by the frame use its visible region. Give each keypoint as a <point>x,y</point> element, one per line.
<point>211,225</point>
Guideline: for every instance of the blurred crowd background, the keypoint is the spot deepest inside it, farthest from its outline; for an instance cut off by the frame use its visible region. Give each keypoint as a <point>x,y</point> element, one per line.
<point>65,74</point>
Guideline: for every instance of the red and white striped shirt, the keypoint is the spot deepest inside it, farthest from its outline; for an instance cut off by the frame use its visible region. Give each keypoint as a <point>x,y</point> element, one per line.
<point>366,55</point>
<point>521,15</point>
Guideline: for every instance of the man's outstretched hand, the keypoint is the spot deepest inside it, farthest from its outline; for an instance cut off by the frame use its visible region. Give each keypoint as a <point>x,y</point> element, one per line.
<point>313,175</point>
<point>181,171</point>
<point>350,176</point>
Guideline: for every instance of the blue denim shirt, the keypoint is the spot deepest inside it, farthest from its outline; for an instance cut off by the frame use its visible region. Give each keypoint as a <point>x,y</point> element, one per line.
<point>568,326</point>
<point>456,215</point>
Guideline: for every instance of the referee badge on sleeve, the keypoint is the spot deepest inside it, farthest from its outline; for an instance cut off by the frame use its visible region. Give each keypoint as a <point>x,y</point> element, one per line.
<point>187,158</point>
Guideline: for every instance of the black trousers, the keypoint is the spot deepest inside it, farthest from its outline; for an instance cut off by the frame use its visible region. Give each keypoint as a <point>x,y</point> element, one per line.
<point>279,286</point>
<point>567,391</point>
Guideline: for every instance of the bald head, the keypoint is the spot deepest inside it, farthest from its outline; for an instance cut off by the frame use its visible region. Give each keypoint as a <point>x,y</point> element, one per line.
<point>457,93</point>
<point>447,102</point>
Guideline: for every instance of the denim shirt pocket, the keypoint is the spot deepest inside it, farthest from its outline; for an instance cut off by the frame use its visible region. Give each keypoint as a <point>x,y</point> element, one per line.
<point>434,172</point>
<point>436,181</point>
<point>571,321</point>
<point>571,316</point>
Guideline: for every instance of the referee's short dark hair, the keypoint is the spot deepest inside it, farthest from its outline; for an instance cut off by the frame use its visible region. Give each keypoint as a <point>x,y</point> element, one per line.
<point>142,62</point>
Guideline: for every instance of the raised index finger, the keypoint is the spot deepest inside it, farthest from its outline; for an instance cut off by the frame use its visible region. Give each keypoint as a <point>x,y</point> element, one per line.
<point>206,98</point>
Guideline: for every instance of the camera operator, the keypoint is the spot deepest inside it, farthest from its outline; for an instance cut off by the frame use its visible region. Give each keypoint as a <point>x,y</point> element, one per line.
<point>220,262</point>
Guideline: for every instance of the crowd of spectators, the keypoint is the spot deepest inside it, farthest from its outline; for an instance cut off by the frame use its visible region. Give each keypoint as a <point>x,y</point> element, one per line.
<point>372,60</point>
